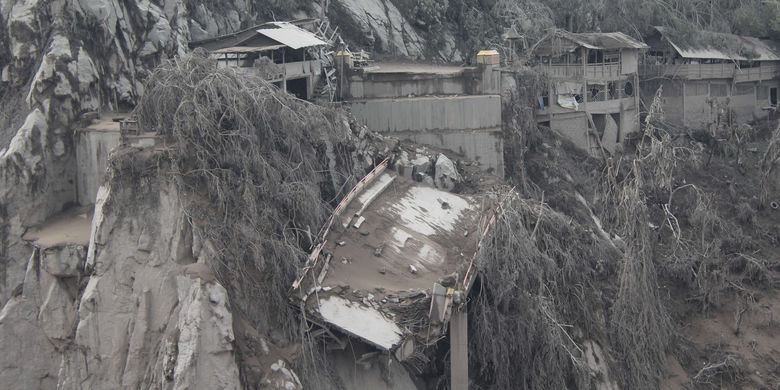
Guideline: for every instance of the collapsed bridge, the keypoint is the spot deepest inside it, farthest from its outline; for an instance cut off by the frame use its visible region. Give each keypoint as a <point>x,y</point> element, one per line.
<point>394,266</point>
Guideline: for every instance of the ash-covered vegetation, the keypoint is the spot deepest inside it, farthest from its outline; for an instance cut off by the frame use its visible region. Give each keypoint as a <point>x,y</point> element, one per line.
<point>479,23</point>
<point>625,252</point>
<point>256,169</point>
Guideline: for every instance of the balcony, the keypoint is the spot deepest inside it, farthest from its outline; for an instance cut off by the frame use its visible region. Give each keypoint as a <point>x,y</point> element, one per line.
<point>277,72</point>
<point>611,106</point>
<point>765,71</point>
<point>578,72</point>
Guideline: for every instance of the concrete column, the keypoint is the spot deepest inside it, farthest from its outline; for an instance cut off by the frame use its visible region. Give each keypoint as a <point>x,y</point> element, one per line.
<point>459,350</point>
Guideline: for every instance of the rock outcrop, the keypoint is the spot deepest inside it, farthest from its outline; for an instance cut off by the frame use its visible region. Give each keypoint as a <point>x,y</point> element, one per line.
<point>125,312</point>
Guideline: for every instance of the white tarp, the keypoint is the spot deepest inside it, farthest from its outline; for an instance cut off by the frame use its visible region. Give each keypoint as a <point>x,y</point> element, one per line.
<point>568,101</point>
<point>358,320</point>
<point>291,35</point>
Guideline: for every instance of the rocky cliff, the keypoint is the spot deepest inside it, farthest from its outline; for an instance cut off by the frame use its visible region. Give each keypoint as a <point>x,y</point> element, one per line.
<point>123,308</point>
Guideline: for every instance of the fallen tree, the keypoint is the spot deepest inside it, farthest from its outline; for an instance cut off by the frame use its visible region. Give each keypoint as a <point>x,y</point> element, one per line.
<point>538,298</point>
<point>257,168</point>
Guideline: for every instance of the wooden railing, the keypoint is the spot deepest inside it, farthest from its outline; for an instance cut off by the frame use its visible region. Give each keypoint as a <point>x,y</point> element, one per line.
<point>711,71</point>
<point>578,72</point>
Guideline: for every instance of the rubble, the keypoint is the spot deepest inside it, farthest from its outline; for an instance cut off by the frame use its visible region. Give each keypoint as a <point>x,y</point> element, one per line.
<point>409,269</point>
<point>447,176</point>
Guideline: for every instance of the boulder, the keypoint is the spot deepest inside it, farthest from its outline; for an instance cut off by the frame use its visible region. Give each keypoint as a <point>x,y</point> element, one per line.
<point>446,175</point>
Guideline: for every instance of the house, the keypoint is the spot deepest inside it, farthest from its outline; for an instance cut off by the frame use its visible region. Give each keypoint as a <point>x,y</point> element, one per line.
<point>705,73</point>
<point>591,94</point>
<point>284,52</point>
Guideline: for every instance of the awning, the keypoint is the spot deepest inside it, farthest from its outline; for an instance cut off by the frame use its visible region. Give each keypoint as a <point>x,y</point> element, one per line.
<point>247,49</point>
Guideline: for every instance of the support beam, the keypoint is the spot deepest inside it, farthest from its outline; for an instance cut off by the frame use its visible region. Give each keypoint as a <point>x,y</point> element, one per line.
<point>459,349</point>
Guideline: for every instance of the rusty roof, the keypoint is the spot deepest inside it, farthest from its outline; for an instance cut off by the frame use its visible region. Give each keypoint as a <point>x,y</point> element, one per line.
<point>561,41</point>
<point>603,41</point>
<point>723,46</point>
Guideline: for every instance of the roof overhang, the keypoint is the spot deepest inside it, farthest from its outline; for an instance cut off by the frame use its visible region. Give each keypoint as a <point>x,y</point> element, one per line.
<point>765,50</point>
<point>247,49</point>
<point>291,35</point>
<point>590,41</point>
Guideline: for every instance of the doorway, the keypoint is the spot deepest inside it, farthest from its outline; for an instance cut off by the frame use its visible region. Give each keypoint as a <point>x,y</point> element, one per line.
<point>299,88</point>
<point>773,96</point>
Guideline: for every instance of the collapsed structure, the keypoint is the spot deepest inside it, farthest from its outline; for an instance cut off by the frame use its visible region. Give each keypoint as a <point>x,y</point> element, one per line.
<point>715,69</point>
<point>395,263</point>
<point>592,95</point>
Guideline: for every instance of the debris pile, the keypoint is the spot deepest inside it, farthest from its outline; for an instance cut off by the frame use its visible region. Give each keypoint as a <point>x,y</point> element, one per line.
<point>394,260</point>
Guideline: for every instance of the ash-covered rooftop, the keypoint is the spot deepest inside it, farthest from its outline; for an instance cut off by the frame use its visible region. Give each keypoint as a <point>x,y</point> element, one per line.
<point>394,243</point>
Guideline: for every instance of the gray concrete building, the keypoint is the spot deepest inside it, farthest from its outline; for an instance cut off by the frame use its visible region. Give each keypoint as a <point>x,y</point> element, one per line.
<point>702,75</point>
<point>592,95</point>
<point>449,107</point>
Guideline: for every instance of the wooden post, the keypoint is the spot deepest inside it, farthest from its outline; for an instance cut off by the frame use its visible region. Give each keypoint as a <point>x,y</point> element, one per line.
<point>584,61</point>
<point>684,97</point>
<point>603,64</point>
<point>284,71</point>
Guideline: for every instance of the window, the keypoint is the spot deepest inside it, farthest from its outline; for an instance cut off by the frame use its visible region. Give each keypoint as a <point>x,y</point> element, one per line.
<point>773,96</point>
<point>696,89</point>
<point>719,90</point>
<point>749,64</point>
<point>598,93</point>
<point>612,57</point>
<point>745,89</point>
<point>628,89</point>
<point>612,92</point>
<point>595,56</point>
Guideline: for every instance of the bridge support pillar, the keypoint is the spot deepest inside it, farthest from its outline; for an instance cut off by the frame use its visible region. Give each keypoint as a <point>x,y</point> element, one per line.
<point>459,349</point>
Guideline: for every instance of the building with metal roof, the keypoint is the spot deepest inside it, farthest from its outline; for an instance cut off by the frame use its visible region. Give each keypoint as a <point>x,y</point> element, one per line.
<point>591,96</point>
<point>704,74</point>
<point>284,53</point>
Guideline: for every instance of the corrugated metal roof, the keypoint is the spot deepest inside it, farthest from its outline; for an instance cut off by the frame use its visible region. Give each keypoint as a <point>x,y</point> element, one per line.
<point>594,41</point>
<point>291,35</point>
<point>604,41</point>
<point>744,48</point>
<point>247,49</point>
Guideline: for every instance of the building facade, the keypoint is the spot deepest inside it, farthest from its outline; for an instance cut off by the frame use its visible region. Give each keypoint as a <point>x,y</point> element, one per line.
<point>592,95</point>
<point>448,107</point>
<point>704,76</point>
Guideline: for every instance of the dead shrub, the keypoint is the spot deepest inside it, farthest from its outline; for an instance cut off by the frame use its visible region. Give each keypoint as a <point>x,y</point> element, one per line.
<point>537,296</point>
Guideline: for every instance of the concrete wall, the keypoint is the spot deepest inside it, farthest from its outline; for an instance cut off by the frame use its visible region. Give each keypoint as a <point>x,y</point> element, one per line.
<point>629,123</point>
<point>468,125</point>
<point>92,149</point>
<point>379,85</point>
<point>429,113</point>
<point>371,86</point>
<point>573,126</point>
<point>688,105</point>
<point>629,62</point>
<point>484,146</point>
